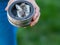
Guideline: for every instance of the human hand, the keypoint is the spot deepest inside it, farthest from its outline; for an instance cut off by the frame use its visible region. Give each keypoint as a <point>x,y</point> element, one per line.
<point>37,11</point>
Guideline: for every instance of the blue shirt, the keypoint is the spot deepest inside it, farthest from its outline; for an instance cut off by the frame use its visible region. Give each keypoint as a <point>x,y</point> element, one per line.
<point>7,31</point>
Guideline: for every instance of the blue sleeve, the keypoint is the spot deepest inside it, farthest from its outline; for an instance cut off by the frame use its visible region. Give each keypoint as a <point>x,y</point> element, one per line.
<point>7,31</point>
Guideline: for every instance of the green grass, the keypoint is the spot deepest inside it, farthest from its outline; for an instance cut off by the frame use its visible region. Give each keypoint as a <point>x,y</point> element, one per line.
<point>47,30</point>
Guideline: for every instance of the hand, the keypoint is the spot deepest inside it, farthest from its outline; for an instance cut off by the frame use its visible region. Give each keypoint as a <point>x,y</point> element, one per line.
<point>37,11</point>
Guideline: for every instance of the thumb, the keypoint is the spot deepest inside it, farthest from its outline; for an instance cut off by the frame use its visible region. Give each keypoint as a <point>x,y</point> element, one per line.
<point>7,7</point>
<point>9,3</point>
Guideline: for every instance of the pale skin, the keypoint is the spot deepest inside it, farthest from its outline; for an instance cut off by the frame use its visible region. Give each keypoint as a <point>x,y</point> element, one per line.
<point>37,11</point>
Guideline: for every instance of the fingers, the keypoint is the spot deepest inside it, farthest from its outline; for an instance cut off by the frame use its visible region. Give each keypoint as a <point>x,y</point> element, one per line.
<point>37,11</point>
<point>35,21</point>
<point>36,16</point>
<point>9,3</point>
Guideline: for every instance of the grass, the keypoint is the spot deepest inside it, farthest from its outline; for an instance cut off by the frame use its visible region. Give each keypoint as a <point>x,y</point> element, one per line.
<point>47,30</point>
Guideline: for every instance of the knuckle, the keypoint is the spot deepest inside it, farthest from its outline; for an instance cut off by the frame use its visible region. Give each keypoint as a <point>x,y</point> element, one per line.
<point>38,7</point>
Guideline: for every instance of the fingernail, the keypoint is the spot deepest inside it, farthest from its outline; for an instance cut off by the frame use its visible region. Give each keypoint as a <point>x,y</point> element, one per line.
<point>6,9</point>
<point>31,25</point>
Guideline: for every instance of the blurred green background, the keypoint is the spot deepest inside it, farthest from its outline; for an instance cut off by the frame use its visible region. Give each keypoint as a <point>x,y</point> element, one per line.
<point>47,30</point>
